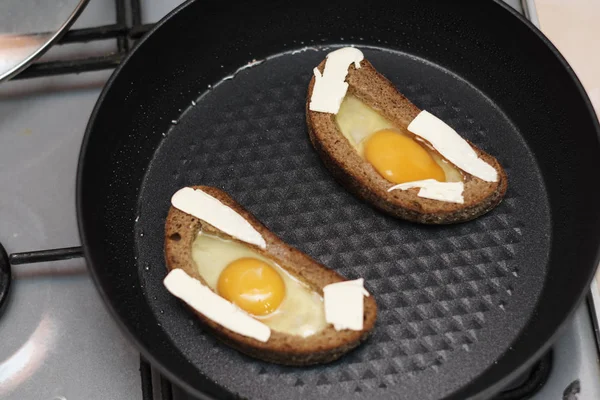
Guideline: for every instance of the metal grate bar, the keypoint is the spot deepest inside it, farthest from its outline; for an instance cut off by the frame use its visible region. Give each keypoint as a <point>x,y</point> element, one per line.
<point>122,43</point>
<point>136,12</point>
<point>146,374</point>
<point>137,31</point>
<point>122,31</point>
<point>30,257</point>
<point>95,33</point>
<point>72,66</point>
<point>166,390</point>
<point>86,34</point>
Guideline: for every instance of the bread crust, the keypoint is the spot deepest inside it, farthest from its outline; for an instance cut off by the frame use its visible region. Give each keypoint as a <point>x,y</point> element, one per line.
<point>362,180</point>
<point>323,347</point>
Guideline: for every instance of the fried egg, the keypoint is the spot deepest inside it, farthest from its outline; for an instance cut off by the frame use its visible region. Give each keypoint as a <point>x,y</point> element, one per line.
<point>258,285</point>
<point>253,285</point>
<point>396,156</point>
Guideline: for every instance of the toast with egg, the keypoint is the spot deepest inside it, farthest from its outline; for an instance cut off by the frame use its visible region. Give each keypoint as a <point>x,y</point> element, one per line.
<point>326,345</point>
<point>345,162</point>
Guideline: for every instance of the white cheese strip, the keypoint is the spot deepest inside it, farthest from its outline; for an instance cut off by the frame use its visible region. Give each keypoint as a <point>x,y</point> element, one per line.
<point>432,189</point>
<point>344,305</point>
<point>451,146</point>
<point>330,88</point>
<point>205,207</point>
<point>213,306</point>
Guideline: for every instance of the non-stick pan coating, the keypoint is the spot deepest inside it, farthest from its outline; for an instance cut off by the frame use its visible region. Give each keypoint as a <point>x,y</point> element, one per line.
<point>454,301</point>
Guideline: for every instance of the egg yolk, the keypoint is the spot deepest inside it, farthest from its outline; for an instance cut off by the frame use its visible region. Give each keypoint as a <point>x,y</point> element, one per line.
<point>253,285</point>
<point>400,159</point>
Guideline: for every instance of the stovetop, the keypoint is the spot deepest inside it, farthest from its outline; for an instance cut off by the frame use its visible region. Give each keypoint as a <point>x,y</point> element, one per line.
<point>58,340</point>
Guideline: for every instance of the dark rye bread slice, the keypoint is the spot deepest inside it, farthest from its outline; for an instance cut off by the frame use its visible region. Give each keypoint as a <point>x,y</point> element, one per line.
<point>323,347</point>
<point>360,178</point>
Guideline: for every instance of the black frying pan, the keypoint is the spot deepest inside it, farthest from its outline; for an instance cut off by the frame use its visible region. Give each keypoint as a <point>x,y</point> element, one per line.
<point>464,308</point>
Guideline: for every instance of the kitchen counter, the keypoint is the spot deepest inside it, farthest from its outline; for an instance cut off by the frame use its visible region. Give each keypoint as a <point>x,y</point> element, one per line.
<point>574,28</point>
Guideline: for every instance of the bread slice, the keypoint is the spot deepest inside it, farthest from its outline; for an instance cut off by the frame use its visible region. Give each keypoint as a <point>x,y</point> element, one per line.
<point>323,347</point>
<point>360,178</point>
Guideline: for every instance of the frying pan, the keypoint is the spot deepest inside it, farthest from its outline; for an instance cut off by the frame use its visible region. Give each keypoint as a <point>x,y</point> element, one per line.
<point>464,309</point>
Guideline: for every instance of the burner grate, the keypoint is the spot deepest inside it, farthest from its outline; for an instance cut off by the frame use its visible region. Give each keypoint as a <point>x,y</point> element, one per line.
<point>127,28</point>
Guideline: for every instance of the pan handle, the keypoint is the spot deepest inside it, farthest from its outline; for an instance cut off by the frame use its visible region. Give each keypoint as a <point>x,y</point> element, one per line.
<point>29,257</point>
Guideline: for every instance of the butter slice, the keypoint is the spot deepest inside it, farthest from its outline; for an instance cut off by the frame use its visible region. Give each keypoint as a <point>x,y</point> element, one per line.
<point>344,305</point>
<point>205,207</point>
<point>432,189</point>
<point>451,146</point>
<point>214,307</point>
<point>330,88</point>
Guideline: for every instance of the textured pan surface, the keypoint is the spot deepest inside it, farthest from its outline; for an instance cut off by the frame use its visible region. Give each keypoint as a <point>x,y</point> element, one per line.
<point>451,298</point>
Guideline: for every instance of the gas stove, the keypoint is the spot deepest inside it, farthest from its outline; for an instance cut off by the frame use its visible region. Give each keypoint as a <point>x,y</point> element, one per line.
<point>58,340</point>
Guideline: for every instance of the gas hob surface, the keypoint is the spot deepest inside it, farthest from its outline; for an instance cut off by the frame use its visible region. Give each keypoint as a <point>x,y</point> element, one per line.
<point>58,340</point>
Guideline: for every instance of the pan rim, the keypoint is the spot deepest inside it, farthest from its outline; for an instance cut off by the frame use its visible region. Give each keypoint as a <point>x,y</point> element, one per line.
<point>490,390</point>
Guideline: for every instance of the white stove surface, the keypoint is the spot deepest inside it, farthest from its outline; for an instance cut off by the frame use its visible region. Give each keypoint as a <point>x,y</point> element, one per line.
<point>57,339</point>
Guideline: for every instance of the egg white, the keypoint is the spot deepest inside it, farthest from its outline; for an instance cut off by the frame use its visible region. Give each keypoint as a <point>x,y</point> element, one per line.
<point>300,313</point>
<point>357,122</point>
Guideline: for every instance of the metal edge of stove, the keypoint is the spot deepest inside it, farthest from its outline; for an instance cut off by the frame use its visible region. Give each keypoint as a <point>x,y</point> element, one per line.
<point>593,302</point>
<point>53,39</point>
<point>530,12</point>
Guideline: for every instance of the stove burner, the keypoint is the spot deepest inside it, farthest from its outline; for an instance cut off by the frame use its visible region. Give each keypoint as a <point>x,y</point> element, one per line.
<point>5,278</point>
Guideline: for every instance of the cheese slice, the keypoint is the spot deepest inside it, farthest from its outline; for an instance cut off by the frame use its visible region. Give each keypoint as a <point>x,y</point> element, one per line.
<point>451,146</point>
<point>344,305</point>
<point>432,189</point>
<point>330,87</point>
<point>214,307</point>
<point>205,207</point>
